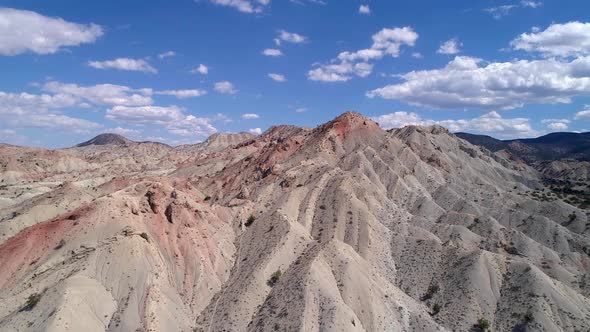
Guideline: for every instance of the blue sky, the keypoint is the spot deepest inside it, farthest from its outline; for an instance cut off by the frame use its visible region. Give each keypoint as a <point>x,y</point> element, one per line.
<point>179,71</point>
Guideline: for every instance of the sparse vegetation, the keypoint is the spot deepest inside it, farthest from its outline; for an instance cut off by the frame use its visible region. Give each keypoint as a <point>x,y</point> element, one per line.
<point>482,324</point>
<point>144,236</point>
<point>32,301</point>
<point>572,217</point>
<point>274,278</point>
<point>435,309</point>
<point>61,243</point>
<point>432,289</point>
<point>207,198</point>
<point>251,219</point>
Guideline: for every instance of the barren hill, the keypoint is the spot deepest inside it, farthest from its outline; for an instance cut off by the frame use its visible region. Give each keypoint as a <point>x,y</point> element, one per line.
<point>344,227</point>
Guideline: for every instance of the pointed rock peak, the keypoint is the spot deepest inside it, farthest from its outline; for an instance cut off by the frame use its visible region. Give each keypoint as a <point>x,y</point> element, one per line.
<point>106,139</point>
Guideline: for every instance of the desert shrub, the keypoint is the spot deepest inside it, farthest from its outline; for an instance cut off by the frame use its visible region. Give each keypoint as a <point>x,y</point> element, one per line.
<point>482,324</point>
<point>274,278</point>
<point>572,217</point>
<point>435,309</point>
<point>207,198</point>
<point>250,221</point>
<point>144,236</point>
<point>32,301</point>
<point>61,243</point>
<point>432,289</point>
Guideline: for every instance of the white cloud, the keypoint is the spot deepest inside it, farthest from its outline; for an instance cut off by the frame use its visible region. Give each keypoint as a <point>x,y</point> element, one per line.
<point>491,123</point>
<point>125,132</point>
<point>277,77</point>
<point>124,64</point>
<point>182,94</point>
<point>290,37</point>
<point>255,131</point>
<point>385,42</point>
<point>467,82</point>
<point>556,124</point>
<point>364,9</point>
<point>504,10</point>
<point>201,69</point>
<point>172,118</point>
<point>301,110</point>
<point>244,6</point>
<point>585,114</point>
<point>531,4</point>
<point>22,31</point>
<point>168,54</point>
<point>249,116</point>
<point>144,114</point>
<point>417,55</point>
<point>101,94</point>
<point>451,46</point>
<point>500,11</point>
<point>562,40</point>
<point>225,87</point>
<point>272,52</point>
<point>24,110</point>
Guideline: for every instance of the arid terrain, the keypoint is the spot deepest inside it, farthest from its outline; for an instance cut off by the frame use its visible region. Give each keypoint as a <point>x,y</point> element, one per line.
<point>342,227</point>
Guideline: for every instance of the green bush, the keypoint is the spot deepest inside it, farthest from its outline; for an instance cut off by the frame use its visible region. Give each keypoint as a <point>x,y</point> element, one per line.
<point>483,324</point>
<point>144,236</point>
<point>274,278</point>
<point>435,309</point>
<point>250,221</point>
<point>32,301</point>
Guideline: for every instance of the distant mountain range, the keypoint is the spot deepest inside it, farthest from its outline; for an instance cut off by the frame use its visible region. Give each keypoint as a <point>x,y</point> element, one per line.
<point>550,147</point>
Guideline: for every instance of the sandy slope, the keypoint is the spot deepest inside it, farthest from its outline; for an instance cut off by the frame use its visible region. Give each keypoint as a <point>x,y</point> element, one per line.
<point>404,230</point>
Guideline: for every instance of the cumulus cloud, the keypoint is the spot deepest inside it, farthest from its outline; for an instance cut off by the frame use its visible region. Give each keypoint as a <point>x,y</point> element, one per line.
<point>24,110</point>
<point>277,77</point>
<point>556,124</point>
<point>272,52</point>
<point>124,64</point>
<point>468,82</point>
<point>491,123</point>
<point>26,31</point>
<point>289,37</point>
<point>201,69</point>
<point>168,54</point>
<point>125,131</point>
<point>364,9</point>
<point>244,6</point>
<point>249,116</point>
<point>347,64</point>
<point>144,114</point>
<point>101,94</point>
<point>183,94</point>
<point>451,46</point>
<point>561,40</point>
<point>585,114</point>
<point>255,131</point>
<point>225,87</point>
<point>172,118</point>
